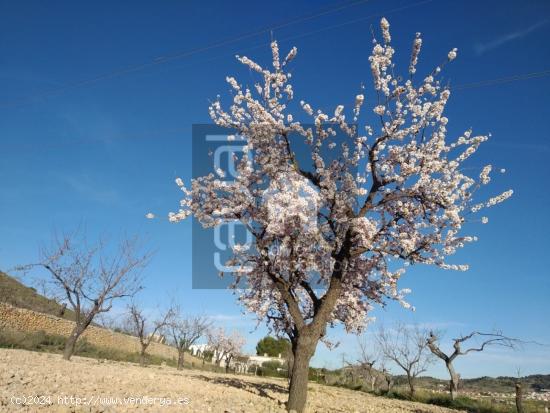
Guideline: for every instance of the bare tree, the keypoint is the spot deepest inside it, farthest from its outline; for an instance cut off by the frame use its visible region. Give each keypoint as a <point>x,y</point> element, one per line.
<point>406,347</point>
<point>88,278</point>
<point>487,339</point>
<point>388,377</point>
<point>146,331</point>
<point>186,331</point>
<point>366,363</point>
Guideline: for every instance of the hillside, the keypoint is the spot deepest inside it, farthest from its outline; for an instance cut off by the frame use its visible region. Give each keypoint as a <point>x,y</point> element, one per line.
<point>501,384</point>
<point>19,295</point>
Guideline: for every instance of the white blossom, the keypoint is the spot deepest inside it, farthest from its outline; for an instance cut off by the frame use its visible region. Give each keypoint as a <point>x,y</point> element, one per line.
<point>385,26</point>
<point>417,45</point>
<point>452,54</point>
<point>398,196</point>
<point>484,176</point>
<point>379,110</point>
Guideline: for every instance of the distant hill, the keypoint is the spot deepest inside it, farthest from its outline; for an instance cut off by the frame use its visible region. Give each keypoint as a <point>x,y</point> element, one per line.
<point>534,382</point>
<point>501,384</point>
<point>19,295</point>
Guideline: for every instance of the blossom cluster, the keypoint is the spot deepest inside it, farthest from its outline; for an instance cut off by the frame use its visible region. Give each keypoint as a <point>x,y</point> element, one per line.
<point>395,195</point>
<point>224,345</point>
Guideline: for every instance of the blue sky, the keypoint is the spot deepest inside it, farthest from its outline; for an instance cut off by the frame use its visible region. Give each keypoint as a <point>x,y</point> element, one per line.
<point>97,101</point>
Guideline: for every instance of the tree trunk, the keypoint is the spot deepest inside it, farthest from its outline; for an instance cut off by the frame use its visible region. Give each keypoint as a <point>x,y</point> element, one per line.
<point>142,357</point>
<point>297,393</point>
<point>519,398</point>
<point>181,354</point>
<point>453,383</point>
<point>389,383</point>
<point>78,329</point>
<point>227,361</point>
<point>410,380</point>
<point>71,343</point>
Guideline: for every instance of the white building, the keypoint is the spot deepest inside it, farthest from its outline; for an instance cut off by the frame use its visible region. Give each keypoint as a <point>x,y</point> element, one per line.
<point>198,350</point>
<point>239,365</point>
<point>259,360</point>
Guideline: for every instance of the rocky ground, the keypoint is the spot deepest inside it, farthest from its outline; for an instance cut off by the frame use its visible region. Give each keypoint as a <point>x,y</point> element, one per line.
<point>31,381</point>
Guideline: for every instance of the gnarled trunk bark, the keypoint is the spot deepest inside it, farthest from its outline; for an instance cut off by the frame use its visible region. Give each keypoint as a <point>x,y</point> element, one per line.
<point>389,383</point>
<point>181,354</point>
<point>70,344</point>
<point>227,361</point>
<point>297,394</point>
<point>142,357</point>
<point>453,383</point>
<point>81,324</point>
<point>519,398</point>
<point>410,380</point>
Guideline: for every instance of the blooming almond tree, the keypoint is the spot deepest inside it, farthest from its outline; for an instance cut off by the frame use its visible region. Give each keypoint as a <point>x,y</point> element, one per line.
<point>225,346</point>
<point>333,235</point>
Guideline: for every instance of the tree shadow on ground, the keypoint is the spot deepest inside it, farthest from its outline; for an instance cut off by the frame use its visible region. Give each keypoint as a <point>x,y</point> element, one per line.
<point>260,389</point>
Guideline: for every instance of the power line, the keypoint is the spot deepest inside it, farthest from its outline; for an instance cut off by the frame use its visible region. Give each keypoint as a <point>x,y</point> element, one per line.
<point>167,58</point>
<point>499,81</point>
<point>178,55</point>
<point>155,134</point>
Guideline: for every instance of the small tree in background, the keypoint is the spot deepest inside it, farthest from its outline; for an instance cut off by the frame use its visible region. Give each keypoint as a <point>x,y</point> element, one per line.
<point>225,346</point>
<point>386,374</point>
<point>186,330</point>
<point>483,340</point>
<point>333,234</point>
<point>146,331</point>
<point>407,348</point>
<point>365,363</point>
<point>89,278</point>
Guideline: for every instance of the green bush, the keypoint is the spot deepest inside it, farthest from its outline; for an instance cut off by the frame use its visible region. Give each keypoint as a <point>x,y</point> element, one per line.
<point>27,341</point>
<point>272,369</point>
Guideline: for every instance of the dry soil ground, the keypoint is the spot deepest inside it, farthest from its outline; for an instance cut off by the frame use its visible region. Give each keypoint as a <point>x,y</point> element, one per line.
<point>31,381</point>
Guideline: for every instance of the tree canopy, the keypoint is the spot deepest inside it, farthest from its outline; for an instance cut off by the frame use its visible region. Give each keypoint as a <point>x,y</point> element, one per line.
<point>272,346</point>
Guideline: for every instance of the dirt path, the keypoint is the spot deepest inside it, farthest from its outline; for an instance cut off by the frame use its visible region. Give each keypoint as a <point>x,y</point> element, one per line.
<point>120,387</point>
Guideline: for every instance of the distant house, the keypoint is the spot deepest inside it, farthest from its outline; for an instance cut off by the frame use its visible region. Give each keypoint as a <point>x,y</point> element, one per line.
<point>241,364</point>
<point>198,350</point>
<point>259,360</point>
